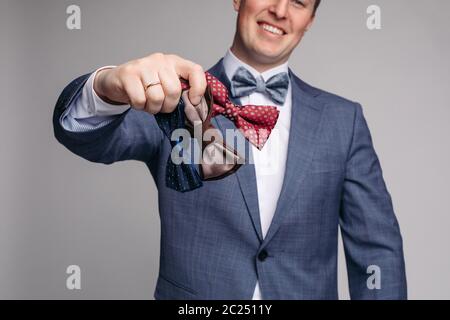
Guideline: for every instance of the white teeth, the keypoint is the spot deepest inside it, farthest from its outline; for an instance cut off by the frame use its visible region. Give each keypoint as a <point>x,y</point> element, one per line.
<point>272,29</point>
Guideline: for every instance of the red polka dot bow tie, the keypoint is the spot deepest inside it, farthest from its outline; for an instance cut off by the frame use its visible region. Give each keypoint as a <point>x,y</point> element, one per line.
<point>254,122</point>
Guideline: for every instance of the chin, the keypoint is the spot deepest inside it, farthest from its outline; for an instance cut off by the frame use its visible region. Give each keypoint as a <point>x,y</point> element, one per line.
<point>269,54</point>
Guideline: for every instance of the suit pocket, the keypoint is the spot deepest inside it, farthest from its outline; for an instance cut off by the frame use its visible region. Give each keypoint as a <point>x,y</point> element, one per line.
<point>166,288</point>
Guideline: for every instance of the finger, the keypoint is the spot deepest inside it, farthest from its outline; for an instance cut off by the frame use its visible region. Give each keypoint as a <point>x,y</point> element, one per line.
<point>197,82</point>
<point>194,74</point>
<point>155,99</point>
<point>191,112</point>
<point>172,89</point>
<point>154,94</point>
<point>134,90</point>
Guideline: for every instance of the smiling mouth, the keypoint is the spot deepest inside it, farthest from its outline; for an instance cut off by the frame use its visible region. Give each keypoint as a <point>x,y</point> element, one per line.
<point>271,28</point>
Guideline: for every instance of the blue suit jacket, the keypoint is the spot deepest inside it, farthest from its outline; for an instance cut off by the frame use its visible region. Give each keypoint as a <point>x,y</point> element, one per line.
<point>211,239</point>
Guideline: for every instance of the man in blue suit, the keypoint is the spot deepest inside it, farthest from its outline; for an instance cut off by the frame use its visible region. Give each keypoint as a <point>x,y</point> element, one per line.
<point>269,230</point>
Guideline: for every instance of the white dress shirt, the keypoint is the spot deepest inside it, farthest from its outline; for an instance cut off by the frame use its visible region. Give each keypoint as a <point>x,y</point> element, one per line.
<point>270,162</point>
<point>89,112</point>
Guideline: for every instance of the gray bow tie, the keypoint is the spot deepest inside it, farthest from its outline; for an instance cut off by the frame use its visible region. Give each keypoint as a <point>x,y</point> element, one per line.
<point>244,83</point>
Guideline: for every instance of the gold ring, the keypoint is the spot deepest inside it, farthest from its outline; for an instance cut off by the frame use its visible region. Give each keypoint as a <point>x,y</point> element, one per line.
<point>151,84</point>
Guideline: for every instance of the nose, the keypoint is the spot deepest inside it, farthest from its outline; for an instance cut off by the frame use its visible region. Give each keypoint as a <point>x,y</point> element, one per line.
<point>279,8</point>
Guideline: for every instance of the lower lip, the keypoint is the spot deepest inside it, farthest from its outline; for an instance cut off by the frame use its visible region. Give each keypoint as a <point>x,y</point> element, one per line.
<point>268,32</point>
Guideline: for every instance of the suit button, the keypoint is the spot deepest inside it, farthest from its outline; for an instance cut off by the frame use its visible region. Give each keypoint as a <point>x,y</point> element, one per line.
<point>262,255</point>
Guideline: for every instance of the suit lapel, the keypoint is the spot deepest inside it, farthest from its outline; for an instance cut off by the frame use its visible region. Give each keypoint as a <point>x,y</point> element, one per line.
<point>305,121</point>
<point>246,174</point>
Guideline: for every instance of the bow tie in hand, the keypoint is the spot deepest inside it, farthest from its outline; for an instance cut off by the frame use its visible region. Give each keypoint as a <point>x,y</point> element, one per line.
<point>254,122</point>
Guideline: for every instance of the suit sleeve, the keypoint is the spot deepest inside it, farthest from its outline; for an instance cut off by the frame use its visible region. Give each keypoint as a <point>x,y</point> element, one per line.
<point>132,135</point>
<point>370,231</point>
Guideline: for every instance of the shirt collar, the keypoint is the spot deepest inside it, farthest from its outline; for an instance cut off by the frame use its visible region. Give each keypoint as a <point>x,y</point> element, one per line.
<point>231,63</point>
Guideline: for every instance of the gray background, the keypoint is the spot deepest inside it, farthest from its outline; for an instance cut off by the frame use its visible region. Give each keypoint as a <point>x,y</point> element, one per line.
<point>57,209</point>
